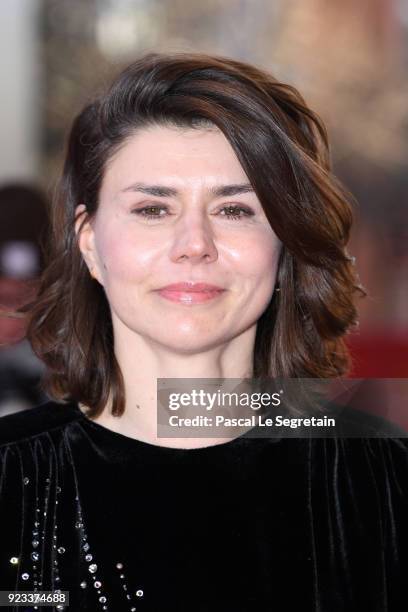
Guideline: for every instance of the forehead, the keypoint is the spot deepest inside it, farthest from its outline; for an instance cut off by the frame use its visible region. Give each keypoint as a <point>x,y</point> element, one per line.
<point>178,155</point>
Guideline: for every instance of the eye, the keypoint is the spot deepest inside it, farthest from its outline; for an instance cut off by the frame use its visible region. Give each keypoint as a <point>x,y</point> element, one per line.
<point>150,212</point>
<point>234,212</point>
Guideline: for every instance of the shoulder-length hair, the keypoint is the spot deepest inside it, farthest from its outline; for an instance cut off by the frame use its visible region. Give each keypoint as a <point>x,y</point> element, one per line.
<point>283,148</point>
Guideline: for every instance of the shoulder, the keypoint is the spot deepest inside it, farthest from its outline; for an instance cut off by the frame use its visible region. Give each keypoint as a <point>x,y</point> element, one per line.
<point>17,427</point>
<point>354,423</point>
<point>368,471</point>
<point>362,438</point>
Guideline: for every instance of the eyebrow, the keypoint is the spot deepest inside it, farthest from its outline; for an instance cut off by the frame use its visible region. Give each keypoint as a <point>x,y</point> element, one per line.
<point>162,191</point>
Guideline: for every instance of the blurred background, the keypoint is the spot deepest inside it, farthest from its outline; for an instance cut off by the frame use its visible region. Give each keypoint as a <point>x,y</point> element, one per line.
<point>349,59</point>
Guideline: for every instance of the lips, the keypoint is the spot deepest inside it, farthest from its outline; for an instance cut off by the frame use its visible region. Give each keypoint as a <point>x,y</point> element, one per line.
<point>190,292</point>
<point>191,287</point>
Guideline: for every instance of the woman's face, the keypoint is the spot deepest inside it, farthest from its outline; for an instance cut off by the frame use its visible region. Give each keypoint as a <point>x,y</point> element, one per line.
<point>176,207</point>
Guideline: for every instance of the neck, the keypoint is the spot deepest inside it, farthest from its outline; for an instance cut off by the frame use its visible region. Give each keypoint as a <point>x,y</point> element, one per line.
<point>143,361</point>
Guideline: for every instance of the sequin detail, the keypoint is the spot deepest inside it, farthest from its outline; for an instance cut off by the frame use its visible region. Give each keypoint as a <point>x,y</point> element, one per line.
<point>127,594</point>
<point>38,565</point>
<point>88,557</point>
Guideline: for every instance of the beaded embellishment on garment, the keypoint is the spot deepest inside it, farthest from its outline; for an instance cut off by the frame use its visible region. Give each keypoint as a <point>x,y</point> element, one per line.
<point>44,549</point>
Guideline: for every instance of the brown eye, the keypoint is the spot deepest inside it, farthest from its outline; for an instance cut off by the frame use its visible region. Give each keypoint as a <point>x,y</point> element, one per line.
<point>150,212</point>
<point>234,212</point>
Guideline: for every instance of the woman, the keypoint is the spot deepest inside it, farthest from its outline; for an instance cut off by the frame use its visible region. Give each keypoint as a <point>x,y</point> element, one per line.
<point>198,233</point>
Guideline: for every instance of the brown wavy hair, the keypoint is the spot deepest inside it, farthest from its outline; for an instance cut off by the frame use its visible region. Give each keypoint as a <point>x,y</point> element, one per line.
<point>282,146</point>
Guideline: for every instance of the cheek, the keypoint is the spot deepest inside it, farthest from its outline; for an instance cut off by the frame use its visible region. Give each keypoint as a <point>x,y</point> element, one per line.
<point>124,257</point>
<point>256,258</point>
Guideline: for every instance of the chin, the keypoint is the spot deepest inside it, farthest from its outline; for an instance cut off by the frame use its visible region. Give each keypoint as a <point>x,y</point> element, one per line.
<point>189,344</point>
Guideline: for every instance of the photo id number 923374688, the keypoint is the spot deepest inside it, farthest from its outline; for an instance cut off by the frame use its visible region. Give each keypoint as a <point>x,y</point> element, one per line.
<point>57,599</point>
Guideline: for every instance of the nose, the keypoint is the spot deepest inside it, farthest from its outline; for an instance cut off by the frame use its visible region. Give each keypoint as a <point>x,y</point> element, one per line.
<point>194,241</point>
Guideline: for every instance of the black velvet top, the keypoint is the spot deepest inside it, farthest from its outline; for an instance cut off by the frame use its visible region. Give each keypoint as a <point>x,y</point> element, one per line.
<point>260,524</point>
